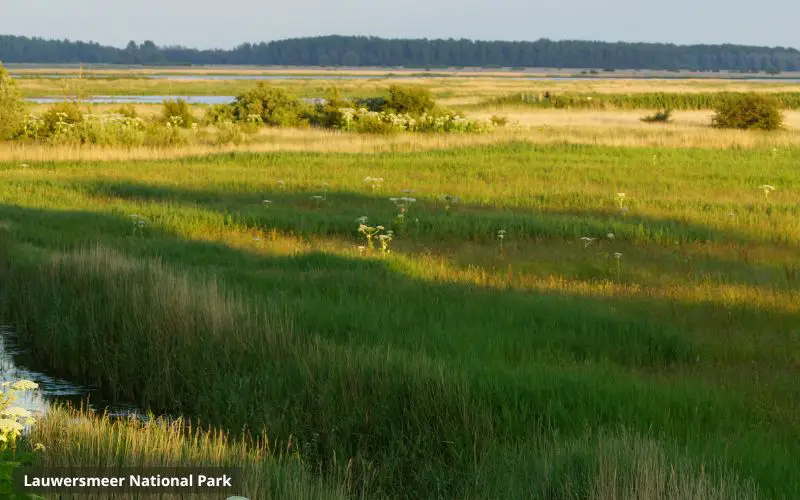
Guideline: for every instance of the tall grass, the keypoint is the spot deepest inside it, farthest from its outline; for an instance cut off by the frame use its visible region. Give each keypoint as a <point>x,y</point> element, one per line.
<point>639,100</point>
<point>81,440</point>
<point>445,368</point>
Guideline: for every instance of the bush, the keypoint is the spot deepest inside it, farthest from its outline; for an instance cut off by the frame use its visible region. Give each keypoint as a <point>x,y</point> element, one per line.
<point>59,117</point>
<point>127,110</point>
<point>749,111</point>
<point>414,101</point>
<point>12,107</point>
<point>660,117</point>
<point>270,106</point>
<point>177,113</point>
<point>376,104</point>
<point>218,114</point>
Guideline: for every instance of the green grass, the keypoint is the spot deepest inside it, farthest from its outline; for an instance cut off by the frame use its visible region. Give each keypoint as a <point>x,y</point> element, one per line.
<point>447,368</point>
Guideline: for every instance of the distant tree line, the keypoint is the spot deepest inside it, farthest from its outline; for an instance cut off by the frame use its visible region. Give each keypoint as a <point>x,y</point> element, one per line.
<point>422,53</point>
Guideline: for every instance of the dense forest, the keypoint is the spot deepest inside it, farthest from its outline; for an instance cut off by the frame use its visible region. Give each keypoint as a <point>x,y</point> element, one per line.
<point>371,51</point>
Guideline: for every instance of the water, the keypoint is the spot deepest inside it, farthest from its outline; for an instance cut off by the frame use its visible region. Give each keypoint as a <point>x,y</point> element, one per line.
<point>141,99</point>
<point>51,390</point>
<point>420,74</point>
<point>155,99</point>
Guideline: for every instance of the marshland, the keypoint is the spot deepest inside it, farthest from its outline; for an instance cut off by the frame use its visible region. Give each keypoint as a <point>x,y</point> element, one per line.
<point>420,287</point>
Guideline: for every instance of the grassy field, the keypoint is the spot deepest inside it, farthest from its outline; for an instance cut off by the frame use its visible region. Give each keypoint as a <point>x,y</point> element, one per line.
<point>658,360</point>
<point>451,91</point>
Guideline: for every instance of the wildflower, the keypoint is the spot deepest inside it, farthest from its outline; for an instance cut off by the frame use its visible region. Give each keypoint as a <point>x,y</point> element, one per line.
<point>15,412</point>
<point>317,197</point>
<point>266,202</point>
<point>10,426</point>
<point>362,249</point>
<point>587,241</point>
<point>501,234</point>
<point>282,184</point>
<point>617,255</point>
<point>374,182</point>
<point>610,236</point>
<point>24,165</point>
<point>767,189</point>
<point>624,210</point>
<point>362,220</point>
<point>39,447</point>
<point>24,385</point>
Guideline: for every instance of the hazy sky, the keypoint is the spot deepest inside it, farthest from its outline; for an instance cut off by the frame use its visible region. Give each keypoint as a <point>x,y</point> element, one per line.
<point>226,23</point>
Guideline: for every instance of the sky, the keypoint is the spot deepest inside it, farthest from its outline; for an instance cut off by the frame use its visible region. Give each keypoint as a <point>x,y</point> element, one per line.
<point>225,24</point>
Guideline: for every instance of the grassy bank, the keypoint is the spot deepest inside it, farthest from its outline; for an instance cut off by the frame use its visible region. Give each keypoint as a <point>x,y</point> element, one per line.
<point>451,367</point>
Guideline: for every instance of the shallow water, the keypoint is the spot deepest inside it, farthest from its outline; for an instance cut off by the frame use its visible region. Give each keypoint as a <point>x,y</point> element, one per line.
<point>51,390</point>
<point>388,74</point>
<point>141,99</point>
<point>155,99</point>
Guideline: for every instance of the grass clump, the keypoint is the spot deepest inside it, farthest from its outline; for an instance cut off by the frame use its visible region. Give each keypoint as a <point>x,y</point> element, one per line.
<point>749,111</point>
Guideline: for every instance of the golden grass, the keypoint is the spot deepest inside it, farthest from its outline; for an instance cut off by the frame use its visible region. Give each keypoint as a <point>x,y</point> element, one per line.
<point>605,128</point>
<point>80,439</point>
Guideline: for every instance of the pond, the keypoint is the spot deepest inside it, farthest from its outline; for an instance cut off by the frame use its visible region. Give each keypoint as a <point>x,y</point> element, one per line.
<point>51,390</point>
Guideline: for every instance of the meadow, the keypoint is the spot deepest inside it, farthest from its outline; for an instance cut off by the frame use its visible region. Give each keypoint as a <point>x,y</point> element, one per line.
<point>579,306</point>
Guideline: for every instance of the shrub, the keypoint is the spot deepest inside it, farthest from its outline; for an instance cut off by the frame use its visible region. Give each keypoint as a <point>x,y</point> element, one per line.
<point>660,117</point>
<point>177,113</point>
<point>414,101</point>
<point>376,104</point>
<point>59,117</point>
<point>749,111</point>
<point>328,115</point>
<point>271,106</point>
<point>12,107</point>
<point>218,114</point>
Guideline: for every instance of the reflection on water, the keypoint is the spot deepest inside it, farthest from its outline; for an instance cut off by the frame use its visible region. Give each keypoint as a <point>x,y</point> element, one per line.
<point>51,390</point>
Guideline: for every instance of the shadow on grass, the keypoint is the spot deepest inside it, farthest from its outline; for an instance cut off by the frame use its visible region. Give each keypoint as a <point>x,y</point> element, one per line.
<point>515,362</point>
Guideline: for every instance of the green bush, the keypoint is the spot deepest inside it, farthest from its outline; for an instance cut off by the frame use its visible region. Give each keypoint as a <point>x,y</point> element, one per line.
<point>329,115</point>
<point>12,107</point>
<point>218,114</point>
<point>177,113</point>
<point>414,101</point>
<point>60,117</point>
<point>660,117</point>
<point>271,106</point>
<point>749,111</point>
